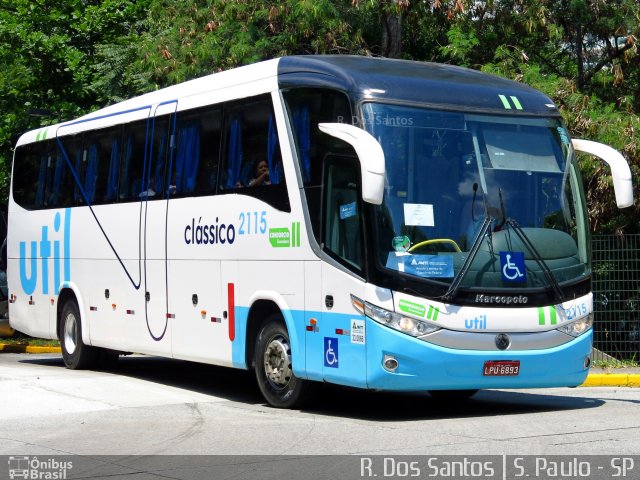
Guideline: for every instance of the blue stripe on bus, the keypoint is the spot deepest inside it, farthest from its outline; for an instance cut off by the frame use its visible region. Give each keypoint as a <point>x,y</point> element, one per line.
<point>422,365</point>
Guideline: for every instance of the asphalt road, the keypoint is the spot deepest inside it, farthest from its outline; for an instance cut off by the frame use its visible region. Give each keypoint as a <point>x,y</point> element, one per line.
<point>153,406</point>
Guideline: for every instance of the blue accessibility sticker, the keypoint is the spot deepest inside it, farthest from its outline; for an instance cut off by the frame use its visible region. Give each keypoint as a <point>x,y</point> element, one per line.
<point>512,267</point>
<point>347,211</point>
<point>331,352</point>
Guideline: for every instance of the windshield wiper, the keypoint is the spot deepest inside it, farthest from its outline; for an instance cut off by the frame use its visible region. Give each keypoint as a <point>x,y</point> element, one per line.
<point>557,290</point>
<point>485,228</point>
<point>473,251</point>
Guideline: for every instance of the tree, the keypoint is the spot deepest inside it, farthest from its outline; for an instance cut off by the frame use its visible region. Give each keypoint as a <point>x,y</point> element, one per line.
<point>598,34</point>
<point>184,39</point>
<point>46,60</point>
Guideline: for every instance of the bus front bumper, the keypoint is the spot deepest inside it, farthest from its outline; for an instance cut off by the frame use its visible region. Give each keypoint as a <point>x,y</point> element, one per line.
<point>425,366</point>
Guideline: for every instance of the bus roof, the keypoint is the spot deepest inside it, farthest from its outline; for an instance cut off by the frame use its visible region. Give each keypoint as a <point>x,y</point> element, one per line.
<point>364,78</point>
<point>263,73</point>
<point>435,84</point>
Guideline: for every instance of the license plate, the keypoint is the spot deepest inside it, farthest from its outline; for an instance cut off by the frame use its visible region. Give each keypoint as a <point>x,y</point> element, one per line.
<point>501,368</point>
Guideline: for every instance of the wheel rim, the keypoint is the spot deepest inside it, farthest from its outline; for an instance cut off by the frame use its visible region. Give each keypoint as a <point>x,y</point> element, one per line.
<point>70,333</point>
<point>277,362</point>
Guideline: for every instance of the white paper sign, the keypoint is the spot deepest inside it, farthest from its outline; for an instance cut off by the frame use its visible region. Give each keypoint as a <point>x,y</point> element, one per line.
<point>418,214</point>
<point>357,332</point>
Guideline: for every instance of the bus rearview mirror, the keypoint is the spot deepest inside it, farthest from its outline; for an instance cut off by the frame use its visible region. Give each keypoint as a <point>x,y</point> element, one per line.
<point>620,171</point>
<point>369,153</point>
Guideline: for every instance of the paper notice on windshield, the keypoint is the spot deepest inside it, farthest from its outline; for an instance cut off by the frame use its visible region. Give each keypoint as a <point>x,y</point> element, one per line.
<point>418,215</point>
<point>427,266</point>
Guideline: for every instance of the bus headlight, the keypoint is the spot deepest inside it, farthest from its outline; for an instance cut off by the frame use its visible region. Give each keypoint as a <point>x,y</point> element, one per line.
<point>578,327</point>
<point>402,323</point>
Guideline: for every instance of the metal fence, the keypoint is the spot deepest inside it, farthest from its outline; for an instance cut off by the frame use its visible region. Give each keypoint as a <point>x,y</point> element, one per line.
<point>616,295</point>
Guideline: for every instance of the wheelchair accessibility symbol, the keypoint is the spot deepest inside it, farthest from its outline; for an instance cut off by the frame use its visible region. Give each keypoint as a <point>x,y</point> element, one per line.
<point>331,352</point>
<point>513,267</point>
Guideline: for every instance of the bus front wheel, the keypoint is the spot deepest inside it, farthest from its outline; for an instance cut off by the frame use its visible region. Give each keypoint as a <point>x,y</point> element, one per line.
<point>75,353</point>
<point>274,372</point>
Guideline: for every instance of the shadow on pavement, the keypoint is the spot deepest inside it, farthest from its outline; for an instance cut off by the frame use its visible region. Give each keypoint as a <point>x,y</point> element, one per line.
<point>336,401</point>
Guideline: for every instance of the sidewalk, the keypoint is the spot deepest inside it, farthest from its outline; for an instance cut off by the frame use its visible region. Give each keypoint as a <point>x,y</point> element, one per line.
<point>598,377</point>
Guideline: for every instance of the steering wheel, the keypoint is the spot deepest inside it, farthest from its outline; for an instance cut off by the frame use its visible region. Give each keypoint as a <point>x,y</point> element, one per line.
<point>435,240</point>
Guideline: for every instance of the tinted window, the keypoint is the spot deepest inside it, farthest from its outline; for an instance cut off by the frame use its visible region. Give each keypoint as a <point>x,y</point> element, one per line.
<point>102,156</point>
<point>133,162</point>
<point>166,156</point>
<point>307,108</point>
<point>194,163</point>
<point>29,174</point>
<point>252,164</point>
<point>64,190</point>
<point>342,230</point>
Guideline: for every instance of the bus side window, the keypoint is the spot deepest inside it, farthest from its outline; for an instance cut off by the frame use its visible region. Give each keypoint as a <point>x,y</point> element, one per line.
<point>155,185</point>
<point>211,135</point>
<point>252,163</point>
<point>30,174</point>
<point>186,158</point>
<point>103,149</point>
<point>133,160</point>
<point>342,234</point>
<point>194,164</point>
<point>111,178</point>
<point>60,182</point>
<point>307,107</point>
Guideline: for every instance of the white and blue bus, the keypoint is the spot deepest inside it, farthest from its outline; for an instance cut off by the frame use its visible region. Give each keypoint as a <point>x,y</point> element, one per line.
<point>381,224</point>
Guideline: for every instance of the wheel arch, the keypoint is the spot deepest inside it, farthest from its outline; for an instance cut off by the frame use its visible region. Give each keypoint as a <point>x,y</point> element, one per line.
<point>264,305</point>
<point>71,292</point>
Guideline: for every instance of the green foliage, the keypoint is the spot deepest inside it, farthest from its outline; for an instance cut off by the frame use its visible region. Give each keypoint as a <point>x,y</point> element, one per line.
<point>615,363</point>
<point>461,45</point>
<point>589,117</point>
<point>47,61</point>
<point>184,39</point>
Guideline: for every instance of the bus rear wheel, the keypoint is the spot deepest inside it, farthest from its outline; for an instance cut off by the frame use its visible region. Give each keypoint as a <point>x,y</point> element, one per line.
<point>274,372</point>
<point>75,353</point>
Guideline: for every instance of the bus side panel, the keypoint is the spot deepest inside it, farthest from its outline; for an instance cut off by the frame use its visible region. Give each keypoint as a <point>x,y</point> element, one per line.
<point>27,314</point>
<point>105,315</point>
<point>199,329</point>
<point>312,305</point>
<point>342,350</point>
<point>338,344</point>
<point>120,249</point>
<point>34,273</point>
<point>281,283</point>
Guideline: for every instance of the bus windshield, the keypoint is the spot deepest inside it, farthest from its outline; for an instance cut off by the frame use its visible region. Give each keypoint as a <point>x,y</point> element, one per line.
<point>503,186</point>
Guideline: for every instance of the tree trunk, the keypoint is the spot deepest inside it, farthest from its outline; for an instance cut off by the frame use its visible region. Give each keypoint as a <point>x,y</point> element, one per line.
<point>580,58</point>
<point>391,32</point>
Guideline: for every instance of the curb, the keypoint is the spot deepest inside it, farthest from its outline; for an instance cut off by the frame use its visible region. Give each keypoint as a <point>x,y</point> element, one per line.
<point>612,380</point>
<point>10,348</point>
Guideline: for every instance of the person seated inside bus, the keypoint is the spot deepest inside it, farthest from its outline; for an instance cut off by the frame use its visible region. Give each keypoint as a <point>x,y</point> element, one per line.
<point>260,174</point>
<point>149,192</point>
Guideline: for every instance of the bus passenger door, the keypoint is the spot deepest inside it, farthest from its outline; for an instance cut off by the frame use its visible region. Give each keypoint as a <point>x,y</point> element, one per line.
<point>154,193</point>
<point>344,342</point>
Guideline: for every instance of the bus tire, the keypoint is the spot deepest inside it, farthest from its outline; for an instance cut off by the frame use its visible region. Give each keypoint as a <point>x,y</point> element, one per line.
<point>274,373</point>
<point>452,395</point>
<point>75,353</point>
